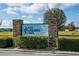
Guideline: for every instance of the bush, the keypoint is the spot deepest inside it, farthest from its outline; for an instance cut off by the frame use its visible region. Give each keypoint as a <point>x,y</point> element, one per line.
<point>9,42</point>
<point>68,44</point>
<point>4,43</point>
<point>31,42</point>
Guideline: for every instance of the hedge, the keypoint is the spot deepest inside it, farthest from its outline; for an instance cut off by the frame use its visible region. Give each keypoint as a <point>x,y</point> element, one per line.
<point>9,42</point>
<point>31,42</point>
<point>68,44</point>
<point>4,43</point>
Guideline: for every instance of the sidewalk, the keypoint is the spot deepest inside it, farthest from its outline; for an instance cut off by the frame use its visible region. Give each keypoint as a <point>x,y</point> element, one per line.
<point>30,50</point>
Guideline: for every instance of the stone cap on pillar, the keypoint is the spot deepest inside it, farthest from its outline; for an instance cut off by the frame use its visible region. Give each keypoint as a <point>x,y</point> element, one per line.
<point>17,20</point>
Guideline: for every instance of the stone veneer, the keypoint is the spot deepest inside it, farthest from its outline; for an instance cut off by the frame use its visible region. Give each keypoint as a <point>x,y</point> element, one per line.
<point>17,27</point>
<point>52,32</point>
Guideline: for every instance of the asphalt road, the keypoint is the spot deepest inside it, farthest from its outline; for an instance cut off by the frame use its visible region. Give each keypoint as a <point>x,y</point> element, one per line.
<point>37,53</point>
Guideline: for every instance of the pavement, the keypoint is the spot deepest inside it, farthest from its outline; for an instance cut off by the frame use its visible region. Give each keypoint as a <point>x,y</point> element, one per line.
<point>27,52</point>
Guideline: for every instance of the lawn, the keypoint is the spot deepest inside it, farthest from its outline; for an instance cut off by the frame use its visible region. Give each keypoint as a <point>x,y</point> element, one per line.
<point>69,34</point>
<point>68,41</point>
<point>6,35</point>
<point>62,34</point>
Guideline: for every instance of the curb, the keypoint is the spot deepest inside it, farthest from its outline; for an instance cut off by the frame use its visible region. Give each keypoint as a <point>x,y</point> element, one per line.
<point>24,50</point>
<point>41,51</point>
<point>67,52</point>
<point>16,50</point>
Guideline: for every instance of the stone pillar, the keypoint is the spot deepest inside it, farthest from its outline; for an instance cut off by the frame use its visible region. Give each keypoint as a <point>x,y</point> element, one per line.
<point>52,32</point>
<point>17,30</point>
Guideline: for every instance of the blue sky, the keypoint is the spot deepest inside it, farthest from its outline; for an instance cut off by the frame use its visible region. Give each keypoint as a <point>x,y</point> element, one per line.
<point>33,12</point>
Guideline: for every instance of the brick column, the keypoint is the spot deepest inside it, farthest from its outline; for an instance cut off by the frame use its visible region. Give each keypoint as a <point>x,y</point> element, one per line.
<point>52,32</point>
<point>17,24</point>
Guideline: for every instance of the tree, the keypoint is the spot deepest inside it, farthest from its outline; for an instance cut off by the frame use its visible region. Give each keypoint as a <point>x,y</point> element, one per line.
<point>56,13</point>
<point>71,26</point>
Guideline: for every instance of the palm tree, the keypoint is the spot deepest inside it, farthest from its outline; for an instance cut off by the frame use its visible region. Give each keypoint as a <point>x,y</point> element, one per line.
<point>55,13</point>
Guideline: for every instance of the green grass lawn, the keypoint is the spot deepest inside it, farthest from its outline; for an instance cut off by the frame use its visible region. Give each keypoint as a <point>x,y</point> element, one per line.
<point>62,34</point>
<point>6,35</point>
<point>69,34</point>
<point>68,41</point>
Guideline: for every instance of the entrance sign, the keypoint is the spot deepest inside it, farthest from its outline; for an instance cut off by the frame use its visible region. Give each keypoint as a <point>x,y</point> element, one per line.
<point>34,30</point>
<point>50,30</point>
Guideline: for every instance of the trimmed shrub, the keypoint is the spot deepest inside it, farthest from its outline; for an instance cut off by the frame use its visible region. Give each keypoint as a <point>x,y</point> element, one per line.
<point>9,42</point>
<point>4,43</point>
<point>68,44</point>
<point>31,42</point>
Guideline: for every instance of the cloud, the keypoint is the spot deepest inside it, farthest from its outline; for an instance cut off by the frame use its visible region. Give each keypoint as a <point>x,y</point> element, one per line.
<point>11,10</point>
<point>18,4</point>
<point>66,5</point>
<point>61,5</point>
<point>14,4</point>
<point>69,4</point>
<point>33,8</point>
<point>31,19</point>
<point>6,24</point>
<point>23,16</point>
<point>25,8</point>
<point>27,19</point>
<point>51,5</point>
<point>15,9</point>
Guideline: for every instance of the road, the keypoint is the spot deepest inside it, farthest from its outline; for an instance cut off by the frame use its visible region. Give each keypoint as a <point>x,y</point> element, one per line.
<point>34,53</point>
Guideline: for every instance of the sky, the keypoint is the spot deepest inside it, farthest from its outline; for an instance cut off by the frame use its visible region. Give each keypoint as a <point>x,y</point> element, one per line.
<point>33,12</point>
